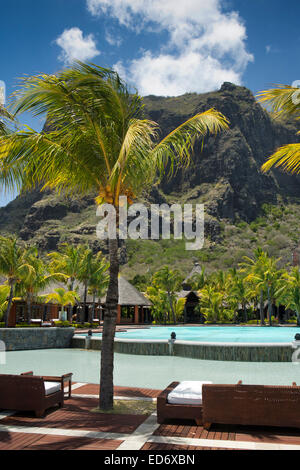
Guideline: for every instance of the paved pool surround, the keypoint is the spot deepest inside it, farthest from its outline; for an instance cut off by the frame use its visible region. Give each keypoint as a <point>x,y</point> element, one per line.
<point>22,339</point>
<point>242,352</point>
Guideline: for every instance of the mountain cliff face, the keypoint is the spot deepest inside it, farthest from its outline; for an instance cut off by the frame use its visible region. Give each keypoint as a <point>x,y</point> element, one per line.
<point>225,175</point>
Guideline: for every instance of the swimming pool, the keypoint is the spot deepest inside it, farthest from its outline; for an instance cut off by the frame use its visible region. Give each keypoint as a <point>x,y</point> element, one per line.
<point>214,334</point>
<point>146,371</point>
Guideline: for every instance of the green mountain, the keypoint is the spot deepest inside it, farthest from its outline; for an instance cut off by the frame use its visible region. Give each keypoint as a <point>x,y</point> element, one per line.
<point>243,207</point>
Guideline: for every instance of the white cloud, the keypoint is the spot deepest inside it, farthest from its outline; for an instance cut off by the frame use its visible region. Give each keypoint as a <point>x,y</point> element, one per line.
<point>205,48</point>
<point>76,46</point>
<point>113,39</point>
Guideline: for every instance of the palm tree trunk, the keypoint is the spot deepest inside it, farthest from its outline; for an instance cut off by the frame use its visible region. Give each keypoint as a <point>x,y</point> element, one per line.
<point>269,307</point>
<point>28,308</point>
<point>261,308</point>
<point>11,294</point>
<point>70,307</point>
<point>298,317</point>
<point>109,327</point>
<point>245,313</point>
<point>84,302</point>
<point>172,309</point>
<point>93,307</point>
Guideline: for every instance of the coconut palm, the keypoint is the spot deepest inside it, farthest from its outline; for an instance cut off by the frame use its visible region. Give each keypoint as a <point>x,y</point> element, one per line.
<point>98,280</point>
<point>169,281</point>
<point>4,293</point>
<point>5,117</point>
<point>283,102</point>
<point>34,277</point>
<point>62,297</point>
<point>67,260</point>
<point>240,291</point>
<point>12,267</point>
<point>198,280</point>
<point>211,303</point>
<point>289,292</point>
<point>266,276</point>
<point>160,303</point>
<point>97,142</point>
<point>255,265</point>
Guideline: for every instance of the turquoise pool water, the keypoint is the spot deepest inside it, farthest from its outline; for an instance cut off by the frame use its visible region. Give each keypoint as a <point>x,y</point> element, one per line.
<point>215,334</point>
<point>148,371</point>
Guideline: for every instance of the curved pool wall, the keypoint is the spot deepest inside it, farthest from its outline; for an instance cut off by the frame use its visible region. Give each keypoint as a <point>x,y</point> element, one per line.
<point>241,352</point>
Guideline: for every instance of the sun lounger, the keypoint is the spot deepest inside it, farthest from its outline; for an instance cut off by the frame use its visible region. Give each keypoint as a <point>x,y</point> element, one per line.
<point>62,379</point>
<point>251,405</point>
<point>36,321</point>
<point>29,393</point>
<point>167,410</point>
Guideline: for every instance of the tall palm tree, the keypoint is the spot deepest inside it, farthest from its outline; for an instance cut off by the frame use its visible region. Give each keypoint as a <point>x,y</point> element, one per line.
<point>212,303</point>
<point>255,265</point>
<point>289,292</point>
<point>98,143</point>
<point>67,260</point>
<point>62,297</point>
<point>283,101</point>
<point>240,291</point>
<point>4,293</point>
<point>86,270</point>
<point>266,276</point>
<point>98,280</point>
<point>5,118</point>
<point>12,267</point>
<point>168,280</point>
<point>35,277</point>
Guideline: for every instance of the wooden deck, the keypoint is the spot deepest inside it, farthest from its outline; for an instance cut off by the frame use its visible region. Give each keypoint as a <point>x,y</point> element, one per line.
<point>75,427</point>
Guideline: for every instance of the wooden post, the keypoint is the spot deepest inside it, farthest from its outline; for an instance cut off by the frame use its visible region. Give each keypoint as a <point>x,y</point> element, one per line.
<point>119,315</point>
<point>12,315</point>
<point>136,314</point>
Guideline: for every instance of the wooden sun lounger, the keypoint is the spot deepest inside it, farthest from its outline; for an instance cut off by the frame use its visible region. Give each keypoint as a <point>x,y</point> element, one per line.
<point>249,405</point>
<point>166,411</point>
<point>66,378</point>
<point>27,393</point>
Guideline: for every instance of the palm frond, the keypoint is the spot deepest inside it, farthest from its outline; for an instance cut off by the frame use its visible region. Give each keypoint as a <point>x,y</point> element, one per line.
<point>282,100</point>
<point>177,146</point>
<point>286,157</point>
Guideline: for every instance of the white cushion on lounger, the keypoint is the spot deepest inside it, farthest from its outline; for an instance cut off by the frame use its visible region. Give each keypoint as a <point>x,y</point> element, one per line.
<point>52,387</point>
<point>187,393</point>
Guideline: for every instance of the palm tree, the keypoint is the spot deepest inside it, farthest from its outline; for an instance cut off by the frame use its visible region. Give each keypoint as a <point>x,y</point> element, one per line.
<point>86,272</point>
<point>212,303</point>
<point>98,142</point>
<point>68,260</point>
<point>5,117</point>
<point>168,280</point>
<point>240,291</point>
<point>281,100</point>
<point>12,266</point>
<point>35,277</point>
<point>98,280</point>
<point>266,276</point>
<point>253,266</point>
<point>4,293</point>
<point>289,293</point>
<point>160,303</point>
<point>198,280</point>
<point>62,297</point>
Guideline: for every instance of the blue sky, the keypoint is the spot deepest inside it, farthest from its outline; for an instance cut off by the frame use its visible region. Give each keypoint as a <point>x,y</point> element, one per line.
<point>162,48</point>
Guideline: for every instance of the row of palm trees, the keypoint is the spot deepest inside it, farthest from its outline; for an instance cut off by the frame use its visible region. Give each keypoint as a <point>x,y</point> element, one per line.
<point>26,274</point>
<point>223,294</point>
